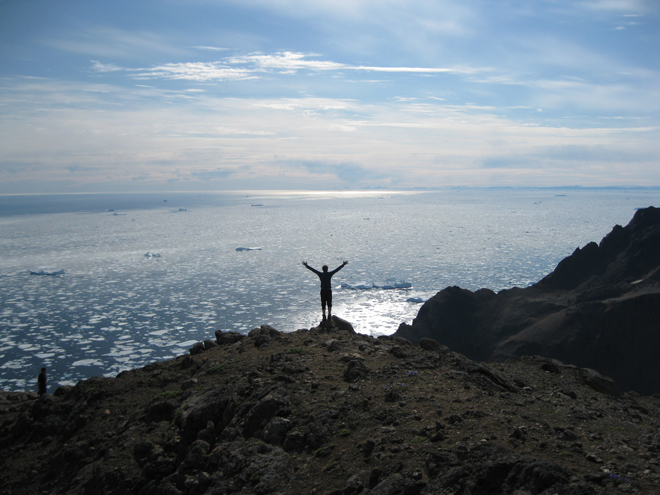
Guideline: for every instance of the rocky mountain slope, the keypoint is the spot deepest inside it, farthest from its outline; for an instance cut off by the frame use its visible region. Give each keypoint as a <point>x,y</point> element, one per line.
<point>327,411</point>
<point>600,309</point>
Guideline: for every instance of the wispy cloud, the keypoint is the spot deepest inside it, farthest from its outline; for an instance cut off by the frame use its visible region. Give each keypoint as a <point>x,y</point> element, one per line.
<point>193,71</point>
<point>288,61</point>
<point>211,48</point>
<point>255,65</point>
<point>99,67</point>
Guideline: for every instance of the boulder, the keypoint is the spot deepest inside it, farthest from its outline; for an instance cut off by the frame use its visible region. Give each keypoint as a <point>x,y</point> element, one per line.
<point>276,430</point>
<point>355,370</point>
<point>600,383</point>
<point>432,345</point>
<point>341,324</point>
<point>228,338</point>
<point>198,348</point>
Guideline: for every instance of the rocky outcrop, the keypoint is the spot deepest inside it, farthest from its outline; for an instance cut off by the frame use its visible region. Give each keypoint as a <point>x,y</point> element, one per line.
<point>600,309</point>
<point>374,416</point>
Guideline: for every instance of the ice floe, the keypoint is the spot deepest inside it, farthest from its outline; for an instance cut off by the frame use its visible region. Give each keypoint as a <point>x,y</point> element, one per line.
<point>88,362</point>
<point>47,271</point>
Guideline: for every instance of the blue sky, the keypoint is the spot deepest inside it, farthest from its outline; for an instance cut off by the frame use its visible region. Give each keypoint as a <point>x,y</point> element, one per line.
<point>305,94</point>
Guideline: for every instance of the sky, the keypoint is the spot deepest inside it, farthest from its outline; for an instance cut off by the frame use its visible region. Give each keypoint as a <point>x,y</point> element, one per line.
<point>205,95</point>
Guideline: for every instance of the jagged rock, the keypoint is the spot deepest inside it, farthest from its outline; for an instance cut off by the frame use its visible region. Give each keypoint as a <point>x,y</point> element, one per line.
<point>276,430</point>
<point>341,324</point>
<point>228,338</point>
<point>207,434</point>
<point>598,309</point>
<point>196,457</point>
<point>432,345</point>
<point>356,370</point>
<point>261,339</point>
<point>357,483</point>
<point>209,406</point>
<point>399,352</point>
<point>389,486</point>
<point>197,348</point>
<point>266,330</point>
<point>262,412</point>
<point>600,383</point>
<point>62,390</point>
<point>491,469</point>
<point>332,345</point>
<point>551,367</point>
<point>351,357</point>
<point>294,441</point>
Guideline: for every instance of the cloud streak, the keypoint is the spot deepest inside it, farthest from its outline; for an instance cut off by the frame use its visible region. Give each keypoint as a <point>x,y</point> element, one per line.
<point>255,65</point>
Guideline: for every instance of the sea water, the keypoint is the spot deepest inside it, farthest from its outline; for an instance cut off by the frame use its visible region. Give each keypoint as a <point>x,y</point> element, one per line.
<point>117,308</point>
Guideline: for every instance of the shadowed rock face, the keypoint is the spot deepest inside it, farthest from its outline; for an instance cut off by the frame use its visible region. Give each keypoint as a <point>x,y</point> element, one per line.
<point>600,308</point>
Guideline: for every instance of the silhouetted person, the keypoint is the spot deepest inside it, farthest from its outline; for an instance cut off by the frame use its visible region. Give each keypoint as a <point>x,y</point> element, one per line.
<point>42,382</point>
<point>326,286</point>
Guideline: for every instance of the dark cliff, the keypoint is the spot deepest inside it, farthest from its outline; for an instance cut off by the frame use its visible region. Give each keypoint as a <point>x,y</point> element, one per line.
<point>600,308</point>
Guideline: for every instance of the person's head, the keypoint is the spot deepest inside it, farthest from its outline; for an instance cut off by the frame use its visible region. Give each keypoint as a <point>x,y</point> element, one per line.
<point>324,268</point>
<point>43,370</point>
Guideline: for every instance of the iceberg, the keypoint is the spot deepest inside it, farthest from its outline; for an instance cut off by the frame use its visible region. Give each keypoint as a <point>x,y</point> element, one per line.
<point>357,286</point>
<point>417,300</point>
<point>47,271</point>
<point>397,285</point>
<point>248,249</point>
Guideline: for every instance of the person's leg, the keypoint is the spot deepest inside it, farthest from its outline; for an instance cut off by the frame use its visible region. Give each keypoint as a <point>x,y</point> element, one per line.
<point>329,300</point>
<point>323,302</point>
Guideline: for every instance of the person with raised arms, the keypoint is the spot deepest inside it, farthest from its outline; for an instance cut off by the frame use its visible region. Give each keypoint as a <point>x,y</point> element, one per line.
<point>326,287</point>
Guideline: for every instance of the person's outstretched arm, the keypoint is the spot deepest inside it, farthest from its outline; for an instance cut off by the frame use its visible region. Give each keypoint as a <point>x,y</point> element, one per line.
<point>339,267</point>
<point>310,268</point>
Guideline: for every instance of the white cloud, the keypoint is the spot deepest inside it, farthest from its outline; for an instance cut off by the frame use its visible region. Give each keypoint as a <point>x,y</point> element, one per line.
<point>99,67</point>
<point>193,71</point>
<point>253,65</point>
<point>254,139</point>
<point>288,61</point>
<point>211,48</point>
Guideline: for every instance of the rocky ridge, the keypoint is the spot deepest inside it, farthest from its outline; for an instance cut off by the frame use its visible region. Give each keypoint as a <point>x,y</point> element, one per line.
<point>600,309</point>
<point>328,411</point>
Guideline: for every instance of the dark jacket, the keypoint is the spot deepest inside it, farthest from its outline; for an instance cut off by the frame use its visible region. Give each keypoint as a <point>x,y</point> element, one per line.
<point>325,276</point>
